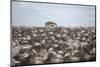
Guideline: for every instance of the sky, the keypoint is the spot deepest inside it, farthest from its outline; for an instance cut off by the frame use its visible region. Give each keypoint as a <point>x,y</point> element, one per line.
<point>37,14</point>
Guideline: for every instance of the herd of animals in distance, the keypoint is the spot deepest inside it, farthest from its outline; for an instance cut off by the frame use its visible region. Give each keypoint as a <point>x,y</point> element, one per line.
<point>52,44</point>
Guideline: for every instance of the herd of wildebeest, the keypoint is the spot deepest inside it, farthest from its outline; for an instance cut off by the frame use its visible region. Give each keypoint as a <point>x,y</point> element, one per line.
<point>41,45</point>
